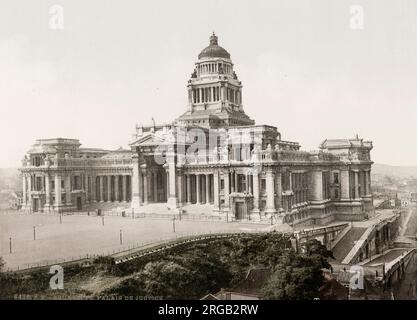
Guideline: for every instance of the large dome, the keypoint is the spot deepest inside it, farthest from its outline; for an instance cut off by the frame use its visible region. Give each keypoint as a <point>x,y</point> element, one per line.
<point>214,50</point>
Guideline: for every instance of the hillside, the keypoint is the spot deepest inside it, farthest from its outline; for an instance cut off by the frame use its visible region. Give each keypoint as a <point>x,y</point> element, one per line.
<point>394,171</point>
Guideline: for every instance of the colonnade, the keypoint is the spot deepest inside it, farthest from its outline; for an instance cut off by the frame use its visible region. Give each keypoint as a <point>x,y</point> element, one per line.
<point>355,184</point>
<point>214,94</point>
<point>109,188</point>
<point>56,189</point>
<point>199,188</point>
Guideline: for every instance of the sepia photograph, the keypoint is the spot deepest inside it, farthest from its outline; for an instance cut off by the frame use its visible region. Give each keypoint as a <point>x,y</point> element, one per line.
<point>204,158</point>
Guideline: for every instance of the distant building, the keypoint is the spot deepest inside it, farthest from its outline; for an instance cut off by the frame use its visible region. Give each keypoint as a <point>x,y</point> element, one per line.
<point>10,199</point>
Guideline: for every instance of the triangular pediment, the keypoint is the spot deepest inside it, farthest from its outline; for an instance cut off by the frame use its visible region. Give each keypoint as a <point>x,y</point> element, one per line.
<point>152,139</point>
<point>148,140</point>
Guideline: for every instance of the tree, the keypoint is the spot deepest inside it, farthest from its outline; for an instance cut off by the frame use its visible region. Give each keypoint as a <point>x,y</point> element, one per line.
<point>2,264</point>
<point>315,249</point>
<point>166,279</point>
<point>296,277</point>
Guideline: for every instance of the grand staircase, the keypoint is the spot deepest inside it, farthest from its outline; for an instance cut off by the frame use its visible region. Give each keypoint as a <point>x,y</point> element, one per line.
<point>107,206</point>
<point>201,209</point>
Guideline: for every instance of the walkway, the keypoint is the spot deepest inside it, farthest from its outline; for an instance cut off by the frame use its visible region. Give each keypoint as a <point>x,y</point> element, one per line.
<point>346,244</point>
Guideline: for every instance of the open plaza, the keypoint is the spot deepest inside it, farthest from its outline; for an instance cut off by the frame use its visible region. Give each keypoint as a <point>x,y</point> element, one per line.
<point>40,239</point>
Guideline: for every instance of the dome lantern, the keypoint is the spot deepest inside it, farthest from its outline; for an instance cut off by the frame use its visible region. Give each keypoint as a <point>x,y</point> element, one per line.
<point>214,50</point>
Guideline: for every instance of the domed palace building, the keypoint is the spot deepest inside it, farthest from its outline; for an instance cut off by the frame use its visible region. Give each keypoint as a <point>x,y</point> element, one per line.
<point>212,160</point>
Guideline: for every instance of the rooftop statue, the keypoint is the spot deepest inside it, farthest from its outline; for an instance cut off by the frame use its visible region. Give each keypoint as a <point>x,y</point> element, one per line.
<point>47,160</point>
<point>25,161</point>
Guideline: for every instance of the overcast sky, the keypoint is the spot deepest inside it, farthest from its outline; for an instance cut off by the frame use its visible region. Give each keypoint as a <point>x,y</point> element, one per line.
<point>304,69</point>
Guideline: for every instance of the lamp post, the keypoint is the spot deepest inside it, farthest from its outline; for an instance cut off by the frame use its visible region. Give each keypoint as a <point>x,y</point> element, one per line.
<point>34,232</point>
<point>102,220</point>
<point>121,238</point>
<point>10,244</point>
<point>173,224</point>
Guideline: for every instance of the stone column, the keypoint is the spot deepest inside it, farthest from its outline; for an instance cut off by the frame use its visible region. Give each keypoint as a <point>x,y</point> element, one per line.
<point>344,185</point>
<point>318,186</point>
<point>29,192</point>
<point>357,195</point>
<point>180,189</point>
<point>68,189</point>
<point>134,183</point>
<point>278,178</point>
<point>87,188</point>
<point>226,190</point>
<point>235,177</point>
<point>223,93</point>
<point>47,191</point>
<point>216,189</point>
<point>24,186</point>
<point>116,188</point>
<point>255,192</point>
<point>188,188</point>
<point>155,187</point>
<point>58,192</point>
<point>207,188</point>
<point>108,188</point>
<point>270,191</point>
<point>172,200</point>
<point>145,176</point>
<point>101,188</point>
<point>198,187</point>
<point>124,188</point>
<point>247,180</point>
<point>93,188</point>
<point>362,178</point>
<point>369,185</point>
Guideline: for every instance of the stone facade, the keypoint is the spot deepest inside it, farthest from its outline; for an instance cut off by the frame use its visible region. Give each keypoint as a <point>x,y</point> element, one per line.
<point>213,157</point>
<point>60,176</point>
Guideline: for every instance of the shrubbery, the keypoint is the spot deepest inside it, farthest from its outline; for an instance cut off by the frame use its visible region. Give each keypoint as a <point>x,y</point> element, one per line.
<point>195,269</point>
<point>298,276</point>
<point>191,270</point>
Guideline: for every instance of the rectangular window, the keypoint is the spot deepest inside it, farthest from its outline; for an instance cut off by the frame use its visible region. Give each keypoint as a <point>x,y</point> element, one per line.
<point>336,177</point>
<point>39,185</point>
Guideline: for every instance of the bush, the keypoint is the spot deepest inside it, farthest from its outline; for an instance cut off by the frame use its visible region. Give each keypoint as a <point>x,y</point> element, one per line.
<point>2,264</point>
